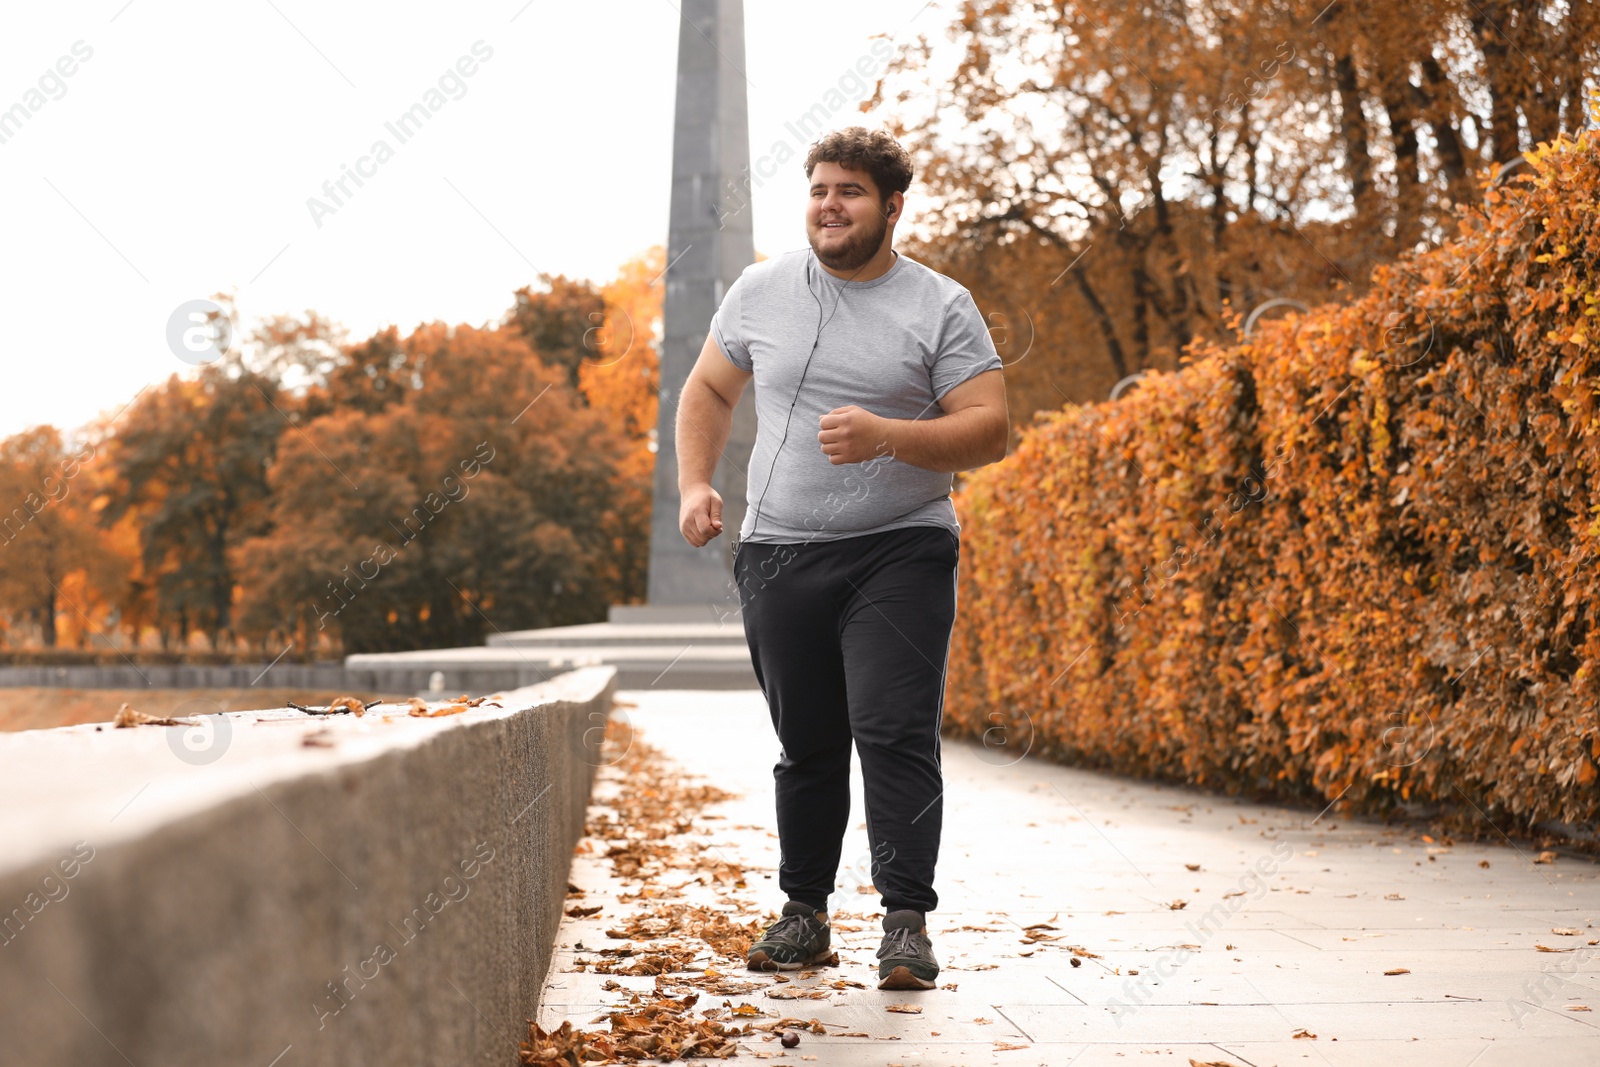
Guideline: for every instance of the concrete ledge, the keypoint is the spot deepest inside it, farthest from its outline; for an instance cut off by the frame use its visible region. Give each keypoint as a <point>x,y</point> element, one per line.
<point>720,613</point>
<point>182,676</point>
<point>282,889</point>
<point>689,665</point>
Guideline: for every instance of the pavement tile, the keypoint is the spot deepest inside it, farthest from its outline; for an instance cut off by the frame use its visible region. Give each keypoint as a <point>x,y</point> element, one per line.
<point>1102,859</point>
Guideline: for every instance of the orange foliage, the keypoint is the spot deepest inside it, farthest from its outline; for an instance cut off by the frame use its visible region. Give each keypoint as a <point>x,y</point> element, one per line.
<point>620,377</point>
<point>1348,557</point>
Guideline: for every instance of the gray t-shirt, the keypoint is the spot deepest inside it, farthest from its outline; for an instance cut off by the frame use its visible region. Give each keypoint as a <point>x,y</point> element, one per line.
<point>893,346</point>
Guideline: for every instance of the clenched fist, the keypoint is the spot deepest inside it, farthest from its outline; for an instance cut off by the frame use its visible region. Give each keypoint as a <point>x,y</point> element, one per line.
<point>700,514</point>
<point>853,435</point>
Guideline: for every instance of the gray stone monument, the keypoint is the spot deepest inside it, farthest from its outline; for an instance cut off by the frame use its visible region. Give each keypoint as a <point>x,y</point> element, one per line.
<point>709,242</point>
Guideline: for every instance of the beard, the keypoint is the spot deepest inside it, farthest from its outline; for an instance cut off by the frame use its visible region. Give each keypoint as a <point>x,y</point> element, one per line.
<point>860,246</point>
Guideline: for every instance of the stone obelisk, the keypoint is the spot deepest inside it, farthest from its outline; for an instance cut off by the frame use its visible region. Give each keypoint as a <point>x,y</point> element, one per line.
<point>708,243</point>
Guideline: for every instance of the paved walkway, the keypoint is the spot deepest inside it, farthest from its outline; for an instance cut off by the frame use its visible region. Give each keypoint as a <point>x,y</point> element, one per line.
<point>1387,947</point>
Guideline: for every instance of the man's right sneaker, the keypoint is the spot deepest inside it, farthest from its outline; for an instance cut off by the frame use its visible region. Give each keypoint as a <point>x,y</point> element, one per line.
<point>799,937</point>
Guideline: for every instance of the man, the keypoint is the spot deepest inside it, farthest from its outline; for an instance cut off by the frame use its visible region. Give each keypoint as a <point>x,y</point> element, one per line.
<point>846,564</point>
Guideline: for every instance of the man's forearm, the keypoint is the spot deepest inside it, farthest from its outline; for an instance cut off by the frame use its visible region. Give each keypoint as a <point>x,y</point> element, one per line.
<point>700,433</point>
<point>962,440</point>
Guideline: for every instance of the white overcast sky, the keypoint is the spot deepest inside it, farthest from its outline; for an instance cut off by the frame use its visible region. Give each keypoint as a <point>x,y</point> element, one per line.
<point>177,160</point>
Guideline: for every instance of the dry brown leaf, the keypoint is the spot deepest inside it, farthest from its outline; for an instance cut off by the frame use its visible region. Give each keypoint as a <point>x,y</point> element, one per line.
<point>799,994</point>
<point>1303,1032</point>
<point>420,709</point>
<point>1547,948</point>
<point>1565,931</point>
<point>578,911</point>
<point>127,717</point>
<point>905,1009</point>
<point>350,704</point>
<point>1397,970</point>
<point>1007,1046</point>
<point>1546,857</point>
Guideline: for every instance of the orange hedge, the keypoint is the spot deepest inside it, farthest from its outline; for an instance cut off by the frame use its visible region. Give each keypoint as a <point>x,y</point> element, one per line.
<point>1351,557</point>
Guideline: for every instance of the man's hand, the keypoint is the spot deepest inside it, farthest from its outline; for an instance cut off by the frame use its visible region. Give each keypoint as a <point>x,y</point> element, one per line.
<point>700,514</point>
<point>853,435</point>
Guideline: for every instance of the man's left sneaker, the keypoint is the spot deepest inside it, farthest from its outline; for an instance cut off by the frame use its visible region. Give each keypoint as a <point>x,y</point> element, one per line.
<point>906,956</point>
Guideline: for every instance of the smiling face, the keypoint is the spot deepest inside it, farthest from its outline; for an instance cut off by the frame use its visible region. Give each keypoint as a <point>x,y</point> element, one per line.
<point>846,220</point>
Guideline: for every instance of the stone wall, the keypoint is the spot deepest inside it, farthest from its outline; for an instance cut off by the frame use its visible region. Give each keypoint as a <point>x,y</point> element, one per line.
<point>278,889</point>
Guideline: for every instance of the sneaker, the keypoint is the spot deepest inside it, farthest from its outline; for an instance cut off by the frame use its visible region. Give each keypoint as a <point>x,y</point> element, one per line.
<point>906,955</point>
<point>799,937</point>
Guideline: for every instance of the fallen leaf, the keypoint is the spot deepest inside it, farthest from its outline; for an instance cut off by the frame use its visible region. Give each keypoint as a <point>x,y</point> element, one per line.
<point>1546,857</point>
<point>420,709</point>
<point>350,704</point>
<point>580,912</point>
<point>127,717</point>
<point>1192,866</point>
<point>1565,931</point>
<point>905,1009</point>
<point>1303,1032</point>
<point>1007,1046</point>
<point>1397,970</point>
<point>801,994</point>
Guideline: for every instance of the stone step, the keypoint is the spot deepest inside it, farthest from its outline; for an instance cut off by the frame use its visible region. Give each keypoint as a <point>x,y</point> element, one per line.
<point>608,634</point>
<point>686,664</point>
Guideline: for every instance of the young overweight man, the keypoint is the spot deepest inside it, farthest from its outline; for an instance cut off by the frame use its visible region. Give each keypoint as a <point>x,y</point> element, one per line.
<point>875,380</point>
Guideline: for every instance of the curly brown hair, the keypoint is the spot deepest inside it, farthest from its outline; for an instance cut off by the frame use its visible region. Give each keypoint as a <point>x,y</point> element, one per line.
<point>858,148</point>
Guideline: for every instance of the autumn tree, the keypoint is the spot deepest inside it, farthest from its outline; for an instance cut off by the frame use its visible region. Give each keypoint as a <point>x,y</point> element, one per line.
<point>190,459</point>
<point>1110,179</point>
<point>560,321</point>
<point>474,502</point>
<point>620,376</point>
<point>53,561</point>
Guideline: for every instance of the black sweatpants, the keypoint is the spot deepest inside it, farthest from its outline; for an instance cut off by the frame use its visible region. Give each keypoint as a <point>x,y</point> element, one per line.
<point>850,640</point>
